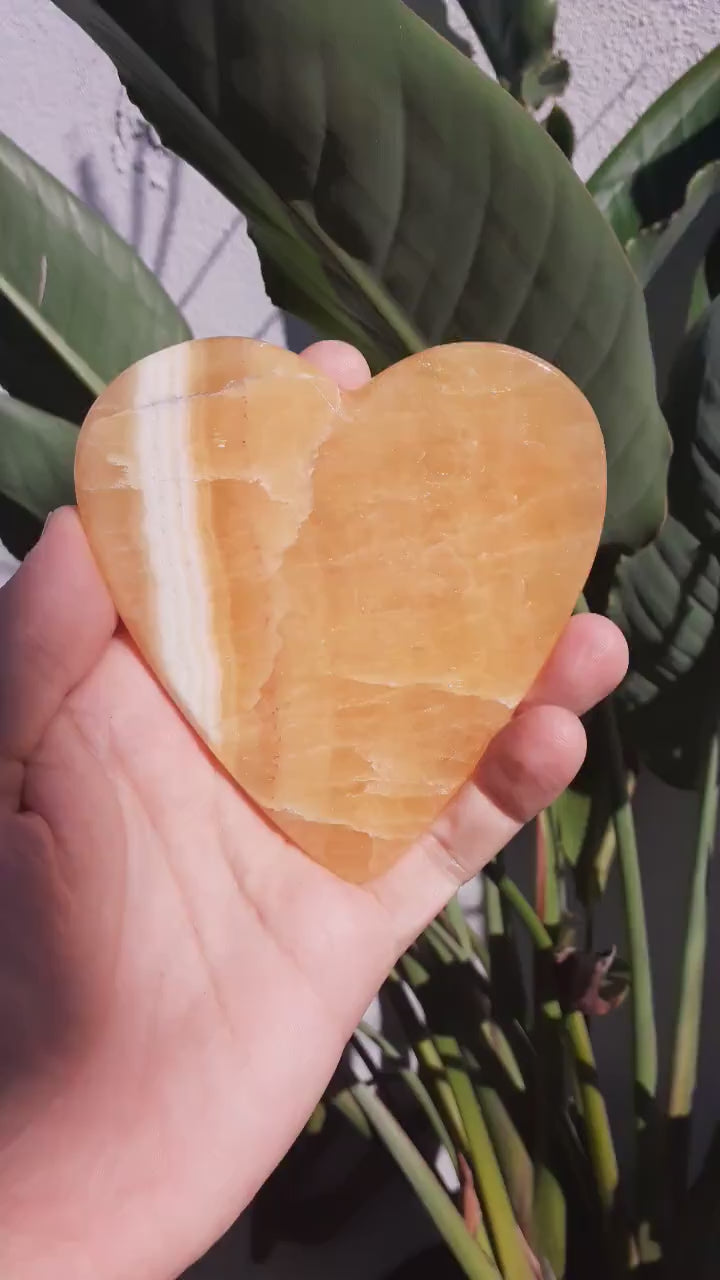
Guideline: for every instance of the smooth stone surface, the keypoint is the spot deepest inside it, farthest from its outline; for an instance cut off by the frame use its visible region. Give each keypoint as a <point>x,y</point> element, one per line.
<point>346,593</point>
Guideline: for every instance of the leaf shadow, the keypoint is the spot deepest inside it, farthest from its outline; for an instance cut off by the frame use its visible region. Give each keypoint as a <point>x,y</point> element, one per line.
<point>434,12</point>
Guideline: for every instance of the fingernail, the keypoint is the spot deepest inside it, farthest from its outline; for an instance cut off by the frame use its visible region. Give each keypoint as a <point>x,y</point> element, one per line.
<point>48,518</point>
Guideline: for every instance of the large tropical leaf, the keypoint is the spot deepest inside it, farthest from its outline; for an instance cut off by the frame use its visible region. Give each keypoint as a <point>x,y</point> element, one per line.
<point>668,596</point>
<point>37,452</point>
<point>77,305</point>
<point>518,36</point>
<point>399,198</point>
<point>644,179</point>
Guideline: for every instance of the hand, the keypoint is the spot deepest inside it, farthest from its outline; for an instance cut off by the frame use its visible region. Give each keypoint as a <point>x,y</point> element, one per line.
<point>177,982</point>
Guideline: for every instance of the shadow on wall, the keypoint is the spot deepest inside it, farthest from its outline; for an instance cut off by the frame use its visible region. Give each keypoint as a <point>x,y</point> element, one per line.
<point>89,189</point>
<point>298,334</point>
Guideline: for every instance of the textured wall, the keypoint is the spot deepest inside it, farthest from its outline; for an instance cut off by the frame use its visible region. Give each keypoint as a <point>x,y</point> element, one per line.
<point>622,53</point>
<point>61,101</point>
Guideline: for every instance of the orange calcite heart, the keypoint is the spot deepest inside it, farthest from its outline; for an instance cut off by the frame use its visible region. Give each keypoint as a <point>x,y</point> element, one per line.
<point>346,593</point>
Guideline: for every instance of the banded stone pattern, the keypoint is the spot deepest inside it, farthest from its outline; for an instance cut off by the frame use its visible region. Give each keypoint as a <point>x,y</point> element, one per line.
<point>346,594</point>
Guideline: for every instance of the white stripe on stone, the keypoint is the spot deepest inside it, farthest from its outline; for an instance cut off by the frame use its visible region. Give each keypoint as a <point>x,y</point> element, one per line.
<point>181,598</point>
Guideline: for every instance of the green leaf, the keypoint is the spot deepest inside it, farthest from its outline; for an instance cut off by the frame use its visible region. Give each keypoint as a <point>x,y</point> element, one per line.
<point>644,179</point>
<point>77,305</point>
<point>37,452</point>
<point>342,131</point>
<point>668,595</point>
<point>518,37</point>
<point>667,259</point>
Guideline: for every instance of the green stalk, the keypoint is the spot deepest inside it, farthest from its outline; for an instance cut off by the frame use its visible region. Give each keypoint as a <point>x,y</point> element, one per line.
<point>529,918</point>
<point>499,1045</point>
<point>346,1103</point>
<point>471,1257</point>
<point>549,1210</point>
<point>511,1154</point>
<point>548,888</point>
<point>442,1059</point>
<point>505,971</point>
<point>317,1119</point>
<point>494,923</point>
<point>597,1126</point>
<point>480,950</point>
<point>441,942</point>
<point>496,1204</point>
<point>687,1031</point>
<point>454,919</point>
<point>382,1042</point>
<point>424,1047</point>
<point>416,1087</point>
<point>601,1150</point>
<point>445,943</point>
<point>549,1231</point>
<point>644,1032</point>
<point>430,1059</point>
<point>432,1113</point>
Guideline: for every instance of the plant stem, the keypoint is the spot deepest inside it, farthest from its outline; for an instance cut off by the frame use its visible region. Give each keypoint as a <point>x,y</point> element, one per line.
<point>456,950</point>
<point>644,1032</point>
<point>687,1032</point>
<point>508,890</point>
<point>390,1050</point>
<point>494,924</point>
<point>454,919</point>
<point>597,1127</point>
<point>361,275</point>
<point>497,1207</point>
<point>473,1260</point>
<point>428,1057</point>
<point>548,888</point>
<point>601,1150</point>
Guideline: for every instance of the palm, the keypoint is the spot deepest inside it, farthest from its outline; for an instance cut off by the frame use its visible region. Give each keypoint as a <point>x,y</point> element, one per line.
<point>177,982</point>
<point>204,962</point>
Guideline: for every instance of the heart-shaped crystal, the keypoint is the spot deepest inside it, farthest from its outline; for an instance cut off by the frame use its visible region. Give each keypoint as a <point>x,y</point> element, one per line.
<point>346,593</point>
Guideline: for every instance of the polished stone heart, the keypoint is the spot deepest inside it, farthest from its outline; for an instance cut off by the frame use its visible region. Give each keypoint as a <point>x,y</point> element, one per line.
<point>346,593</point>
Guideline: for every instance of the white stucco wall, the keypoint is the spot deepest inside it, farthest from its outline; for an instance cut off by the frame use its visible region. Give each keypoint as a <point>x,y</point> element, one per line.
<point>61,101</point>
